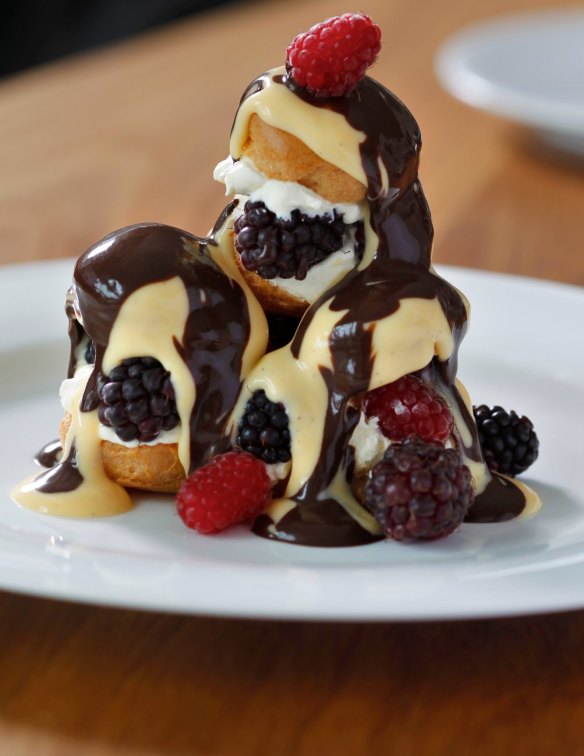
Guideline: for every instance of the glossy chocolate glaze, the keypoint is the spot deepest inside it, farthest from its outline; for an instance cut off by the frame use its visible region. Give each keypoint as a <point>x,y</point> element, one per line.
<point>49,455</point>
<point>212,345</point>
<point>64,476</point>
<point>400,269</point>
<point>500,501</point>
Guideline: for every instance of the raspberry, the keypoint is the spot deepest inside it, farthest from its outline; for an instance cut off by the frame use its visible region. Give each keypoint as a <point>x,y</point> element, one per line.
<point>332,57</point>
<point>137,399</point>
<point>274,247</point>
<point>419,490</point>
<point>229,489</point>
<point>264,430</point>
<point>409,407</point>
<point>508,441</point>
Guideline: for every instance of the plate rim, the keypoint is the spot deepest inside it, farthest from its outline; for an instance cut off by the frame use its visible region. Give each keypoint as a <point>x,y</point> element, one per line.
<point>450,65</point>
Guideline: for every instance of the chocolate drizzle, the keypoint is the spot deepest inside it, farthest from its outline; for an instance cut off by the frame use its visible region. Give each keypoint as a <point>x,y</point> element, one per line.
<point>400,269</point>
<point>49,455</point>
<point>500,501</point>
<point>64,476</point>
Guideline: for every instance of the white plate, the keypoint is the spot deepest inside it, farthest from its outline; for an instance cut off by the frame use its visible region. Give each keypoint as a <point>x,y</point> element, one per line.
<point>524,351</point>
<point>528,68</point>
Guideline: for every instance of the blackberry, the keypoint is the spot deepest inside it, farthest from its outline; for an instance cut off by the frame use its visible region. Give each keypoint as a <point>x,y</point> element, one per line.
<point>275,247</point>
<point>89,353</point>
<point>508,441</point>
<point>264,429</point>
<point>419,490</point>
<point>137,399</point>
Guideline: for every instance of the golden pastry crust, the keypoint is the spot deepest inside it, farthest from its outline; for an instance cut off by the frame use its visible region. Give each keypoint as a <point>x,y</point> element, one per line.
<point>151,468</point>
<point>279,155</point>
<point>272,297</point>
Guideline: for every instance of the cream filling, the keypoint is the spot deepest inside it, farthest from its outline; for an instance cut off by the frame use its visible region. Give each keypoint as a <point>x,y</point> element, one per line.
<point>320,277</point>
<point>70,386</point>
<point>164,437</point>
<point>278,471</point>
<point>368,442</point>
<point>281,197</point>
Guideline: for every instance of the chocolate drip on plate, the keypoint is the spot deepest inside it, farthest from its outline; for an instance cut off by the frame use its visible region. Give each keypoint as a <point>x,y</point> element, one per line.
<point>62,477</point>
<point>500,501</point>
<point>49,455</point>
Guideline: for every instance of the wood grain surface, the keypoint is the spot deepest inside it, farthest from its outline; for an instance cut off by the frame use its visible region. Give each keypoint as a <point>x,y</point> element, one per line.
<point>132,133</point>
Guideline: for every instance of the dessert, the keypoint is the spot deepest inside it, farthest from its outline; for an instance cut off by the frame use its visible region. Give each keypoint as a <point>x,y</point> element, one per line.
<point>308,334</point>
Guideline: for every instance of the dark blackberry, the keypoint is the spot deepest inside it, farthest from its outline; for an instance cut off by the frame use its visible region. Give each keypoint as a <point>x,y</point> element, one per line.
<point>508,441</point>
<point>420,490</point>
<point>89,353</point>
<point>274,247</point>
<point>137,399</point>
<point>264,429</point>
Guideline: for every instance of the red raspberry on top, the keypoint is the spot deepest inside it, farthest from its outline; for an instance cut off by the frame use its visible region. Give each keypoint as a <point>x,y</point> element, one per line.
<point>409,407</point>
<point>229,489</point>
<point>332,57</point>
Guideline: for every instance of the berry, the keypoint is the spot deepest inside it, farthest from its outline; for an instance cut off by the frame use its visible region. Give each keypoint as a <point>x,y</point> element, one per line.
<point>409,407</point>
<point>419,490</point>
<point>137,399</point>
<point>274,247</point>
<point>89,353</point>
<point>332,57</point>
<point>229,489</point>
<point>264,429</point>
<point>508,441</point>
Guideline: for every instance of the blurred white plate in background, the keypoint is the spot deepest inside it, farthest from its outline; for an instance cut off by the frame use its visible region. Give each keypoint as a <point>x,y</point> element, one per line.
<point>528,68</point>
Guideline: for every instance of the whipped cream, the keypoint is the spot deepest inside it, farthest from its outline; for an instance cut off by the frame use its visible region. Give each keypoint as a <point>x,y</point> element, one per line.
<point>368,442</point>
<point>321,276</point>
<point>71,386</point>
<point>281,197</point>
<point>164,437</point>
<point>278,471</point>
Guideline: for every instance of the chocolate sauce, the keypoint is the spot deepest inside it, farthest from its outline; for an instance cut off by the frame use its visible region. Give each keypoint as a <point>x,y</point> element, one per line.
<point>281,329</point>
<point>326,525</point>
<point>500,501</point>
<point>400,269</point>
<point>49,455</point>
<point>64,476</point>
<point>216,332</point>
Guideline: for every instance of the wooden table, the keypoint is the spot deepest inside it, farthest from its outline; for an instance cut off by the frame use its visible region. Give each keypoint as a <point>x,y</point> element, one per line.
<point>131,134</point>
